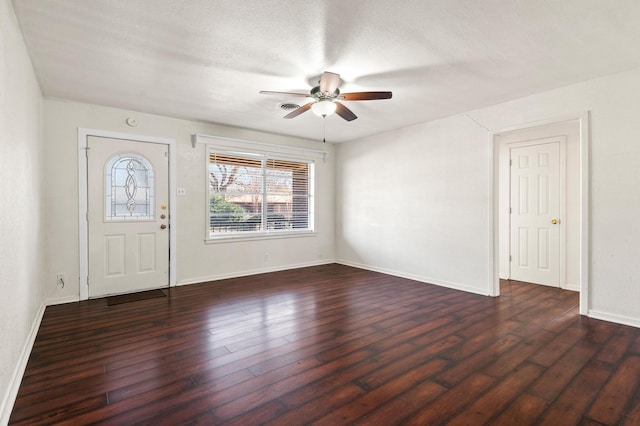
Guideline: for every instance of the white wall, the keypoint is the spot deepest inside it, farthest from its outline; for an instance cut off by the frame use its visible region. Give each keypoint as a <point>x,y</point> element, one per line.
<point>448,240</point>
<point>415,202</point>
<point>196,261</point>
<point>21,230</point>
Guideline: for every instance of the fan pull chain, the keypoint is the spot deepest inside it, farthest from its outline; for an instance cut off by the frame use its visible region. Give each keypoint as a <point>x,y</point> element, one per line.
<point>324,129</point>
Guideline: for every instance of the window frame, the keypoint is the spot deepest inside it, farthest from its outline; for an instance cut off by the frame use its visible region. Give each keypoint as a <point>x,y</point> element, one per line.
<point>264,155</point>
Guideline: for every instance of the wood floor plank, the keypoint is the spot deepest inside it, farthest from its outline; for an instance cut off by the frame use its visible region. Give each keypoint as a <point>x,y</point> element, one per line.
<point>331,344</point>
<point>614,349</point>
<point>521,412</point>
<point>511,358</point>
<point>551,352</point>
<point>406,404</point>
<point>57,412</point>
<point>477,361</point>
<point>476,342</point>
<point>570,406</point>
<point>319,406</point>
<point>402,364</point>
<point>452,401</point>
<point>497,398</point>
<point>330,382</point>
<point>632,415</point>
<point>610,407</point>
<point>555,379</point>
<point>306,385</point>
<point>363,404</point>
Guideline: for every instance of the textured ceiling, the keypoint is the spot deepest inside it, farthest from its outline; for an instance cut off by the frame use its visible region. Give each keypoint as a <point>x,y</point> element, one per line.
<point>208,59</point>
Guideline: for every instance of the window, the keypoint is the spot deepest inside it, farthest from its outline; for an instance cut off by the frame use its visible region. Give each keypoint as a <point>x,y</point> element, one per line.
<point>258,194</point>
<point>129,188</point>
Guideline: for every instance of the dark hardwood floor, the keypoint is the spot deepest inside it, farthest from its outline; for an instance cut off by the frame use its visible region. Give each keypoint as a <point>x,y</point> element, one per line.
<point>331,345</point>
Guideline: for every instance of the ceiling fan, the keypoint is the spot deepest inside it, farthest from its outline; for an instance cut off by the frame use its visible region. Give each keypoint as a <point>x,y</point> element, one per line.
<point>325,97</point>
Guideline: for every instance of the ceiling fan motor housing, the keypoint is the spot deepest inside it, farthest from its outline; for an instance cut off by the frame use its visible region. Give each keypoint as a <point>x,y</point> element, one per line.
<point>316,93</point>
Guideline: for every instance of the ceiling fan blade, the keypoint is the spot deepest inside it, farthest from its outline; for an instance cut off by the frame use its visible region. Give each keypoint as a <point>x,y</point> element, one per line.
<point>329,82</point>
<point>364,96</point>
<point>296,112</point>
<point>345,112</point>
<point>268,92</point>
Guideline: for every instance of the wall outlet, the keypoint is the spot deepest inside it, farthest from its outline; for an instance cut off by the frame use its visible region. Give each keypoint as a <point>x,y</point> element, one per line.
<point>181,191</point>
<point>266,257</point>
<point>60,280</point>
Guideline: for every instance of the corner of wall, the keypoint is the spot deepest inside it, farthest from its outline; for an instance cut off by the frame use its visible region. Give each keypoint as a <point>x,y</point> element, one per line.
<point>16,378</point>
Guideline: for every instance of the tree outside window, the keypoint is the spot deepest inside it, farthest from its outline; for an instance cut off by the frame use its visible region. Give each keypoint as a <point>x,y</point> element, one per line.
<point>258,194</point>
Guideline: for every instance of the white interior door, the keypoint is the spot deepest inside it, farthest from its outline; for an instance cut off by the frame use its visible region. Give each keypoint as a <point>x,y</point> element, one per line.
<point>535,209</point>
<point>128,196</point>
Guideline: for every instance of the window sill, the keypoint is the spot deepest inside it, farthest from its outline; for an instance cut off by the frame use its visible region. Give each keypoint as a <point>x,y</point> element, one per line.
<point>259,237</point>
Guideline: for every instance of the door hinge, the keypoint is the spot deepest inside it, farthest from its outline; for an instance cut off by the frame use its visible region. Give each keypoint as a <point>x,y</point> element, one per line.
<point>510,162</point>
<point>510,258</point>
<point>510,210</point>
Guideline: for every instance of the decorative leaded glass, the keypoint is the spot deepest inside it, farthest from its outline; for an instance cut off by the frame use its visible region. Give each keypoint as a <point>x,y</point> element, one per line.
<point>129,188</point>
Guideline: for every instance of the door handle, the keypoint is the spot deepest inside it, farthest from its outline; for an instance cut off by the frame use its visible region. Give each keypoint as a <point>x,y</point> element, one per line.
<point>554,221</point>
<point>163,226</point>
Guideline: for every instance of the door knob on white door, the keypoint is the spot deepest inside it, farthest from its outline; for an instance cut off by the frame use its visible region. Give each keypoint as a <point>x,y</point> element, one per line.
<point>163,226</point>
<point>554,221</point>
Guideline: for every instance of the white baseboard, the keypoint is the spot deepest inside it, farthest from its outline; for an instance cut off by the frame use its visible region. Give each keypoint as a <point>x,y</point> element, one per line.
<point>619,319</point>
<point>253,272</point>
<point>427,280</point>
<point>61,300</point>
<point>572,287</point>
<point>18,372</point>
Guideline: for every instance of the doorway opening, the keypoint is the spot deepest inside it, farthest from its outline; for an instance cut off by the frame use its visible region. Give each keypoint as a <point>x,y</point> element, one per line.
<point>540,209</point>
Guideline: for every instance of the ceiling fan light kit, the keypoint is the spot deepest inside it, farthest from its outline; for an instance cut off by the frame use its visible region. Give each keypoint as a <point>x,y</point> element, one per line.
<point>323,107</point>
<point>325,97</point>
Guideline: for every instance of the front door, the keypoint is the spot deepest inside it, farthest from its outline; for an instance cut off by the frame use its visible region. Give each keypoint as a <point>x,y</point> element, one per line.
<point>128,196</point>
<point>535,207</point>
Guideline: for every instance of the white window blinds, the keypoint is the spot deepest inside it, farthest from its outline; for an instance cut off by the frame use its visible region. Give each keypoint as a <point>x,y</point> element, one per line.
<point>258,194</point>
